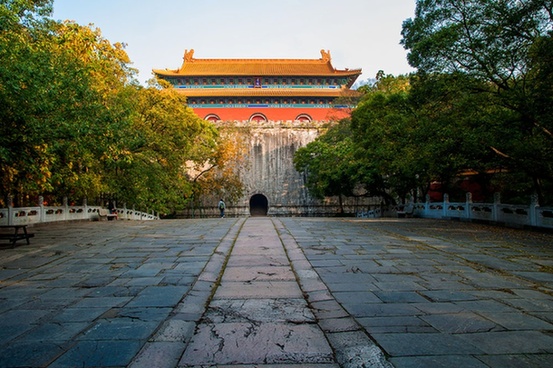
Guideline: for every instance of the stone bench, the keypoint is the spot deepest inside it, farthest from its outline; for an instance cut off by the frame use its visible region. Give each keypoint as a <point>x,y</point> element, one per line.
<point>106,214</point>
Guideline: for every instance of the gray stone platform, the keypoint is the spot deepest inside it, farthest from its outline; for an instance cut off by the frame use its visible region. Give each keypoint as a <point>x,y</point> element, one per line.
<point>277,292</point>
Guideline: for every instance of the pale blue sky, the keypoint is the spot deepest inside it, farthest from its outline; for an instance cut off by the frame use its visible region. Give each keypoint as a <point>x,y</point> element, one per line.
<point>359,33</point>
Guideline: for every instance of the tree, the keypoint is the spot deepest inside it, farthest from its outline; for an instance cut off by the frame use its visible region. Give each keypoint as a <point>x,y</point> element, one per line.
<point>17,13</point>
<point>218,174</point>
<point>382,125</point>
<point>74,121</point>
<point>452,128</point>
<point>372,154</point>
<point>147,164</point>
<point>61,108</point>
<point>328,163</point>
<point>499,43</point>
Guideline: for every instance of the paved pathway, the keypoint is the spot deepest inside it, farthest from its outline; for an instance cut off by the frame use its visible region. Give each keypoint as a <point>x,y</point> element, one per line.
<point>274,292</point>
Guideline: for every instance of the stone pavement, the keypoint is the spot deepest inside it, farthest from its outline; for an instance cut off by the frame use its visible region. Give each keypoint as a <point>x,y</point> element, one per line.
<point>277,292</point>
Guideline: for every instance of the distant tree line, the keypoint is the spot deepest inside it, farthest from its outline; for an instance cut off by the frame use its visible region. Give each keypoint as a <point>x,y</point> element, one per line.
<point>74,122</point>
<point>480,104</point>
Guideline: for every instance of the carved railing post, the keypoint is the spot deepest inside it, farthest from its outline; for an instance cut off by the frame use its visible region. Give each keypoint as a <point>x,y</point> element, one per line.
<point>445,205</point>
<point>11,213</point>
<point>42,214</point>
<point>65,208</point>
<point>468,205</point>
<point>85,209</point>
<point>495,208</point>
<point>534,208</point>
<point>427,205</point>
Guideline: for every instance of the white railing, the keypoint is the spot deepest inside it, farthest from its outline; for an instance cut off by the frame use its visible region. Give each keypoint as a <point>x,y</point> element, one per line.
<point>66,212</point>
<point>531,215</point>
<point>375,213</point>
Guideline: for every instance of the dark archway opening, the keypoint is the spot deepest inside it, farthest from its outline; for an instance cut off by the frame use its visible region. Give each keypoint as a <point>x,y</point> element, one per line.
<point>259,205</point>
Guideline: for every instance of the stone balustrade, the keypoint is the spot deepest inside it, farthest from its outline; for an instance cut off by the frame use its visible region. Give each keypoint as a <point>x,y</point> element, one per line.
<point>66,212</point>
<point>532,215</point>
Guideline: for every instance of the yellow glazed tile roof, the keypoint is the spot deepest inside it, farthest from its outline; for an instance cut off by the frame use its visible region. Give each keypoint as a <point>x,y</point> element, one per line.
<point>256,67</point>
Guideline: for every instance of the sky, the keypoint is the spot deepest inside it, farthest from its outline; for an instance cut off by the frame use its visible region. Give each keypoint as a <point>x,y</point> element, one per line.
<point>362,34</point>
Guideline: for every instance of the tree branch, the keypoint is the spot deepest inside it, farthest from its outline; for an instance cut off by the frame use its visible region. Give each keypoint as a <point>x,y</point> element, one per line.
<point>500,153</point>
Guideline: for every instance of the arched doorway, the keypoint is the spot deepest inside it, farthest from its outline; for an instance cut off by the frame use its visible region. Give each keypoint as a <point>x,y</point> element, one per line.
<point>259,205</point>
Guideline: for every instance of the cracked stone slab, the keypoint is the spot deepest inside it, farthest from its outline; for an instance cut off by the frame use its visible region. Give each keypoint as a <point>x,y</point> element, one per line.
<point>259,310</point>
<point>254,343</point>
<point>174,330</point>
<point>259,273</point>
<point>355,350</point>
<point>258,260</point>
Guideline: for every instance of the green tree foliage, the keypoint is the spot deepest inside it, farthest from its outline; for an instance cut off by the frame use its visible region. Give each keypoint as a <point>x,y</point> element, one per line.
<point>505,45</point>
<point>481,102</point>
<point>449,120</point>
<point>146,164</point>
<point>17,13</point>
<point>383,126</point>
<point>328,163</point>
<point>369,155</point>
<point>74,121</point>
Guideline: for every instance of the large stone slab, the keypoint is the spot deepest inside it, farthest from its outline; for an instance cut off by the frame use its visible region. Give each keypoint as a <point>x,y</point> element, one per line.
<point>258,260</point>
<point>258,289</point>
<point>260,273</point>
<point>259,310</point>
<point>253,343</point>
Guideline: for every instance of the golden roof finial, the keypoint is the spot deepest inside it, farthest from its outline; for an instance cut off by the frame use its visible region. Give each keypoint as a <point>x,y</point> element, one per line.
<point>188,55</point>
<point>325,56</point>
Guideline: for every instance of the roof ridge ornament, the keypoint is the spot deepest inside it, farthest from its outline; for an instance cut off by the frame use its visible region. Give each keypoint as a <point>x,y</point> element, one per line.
<point>325,56</point>
<point>188,55</point>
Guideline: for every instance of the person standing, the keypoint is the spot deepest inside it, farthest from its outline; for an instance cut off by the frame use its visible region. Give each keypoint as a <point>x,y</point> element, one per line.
<point>222,207</point>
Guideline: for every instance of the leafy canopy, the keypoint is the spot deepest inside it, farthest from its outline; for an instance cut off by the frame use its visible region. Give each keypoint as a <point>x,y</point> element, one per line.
<point>75,122</point>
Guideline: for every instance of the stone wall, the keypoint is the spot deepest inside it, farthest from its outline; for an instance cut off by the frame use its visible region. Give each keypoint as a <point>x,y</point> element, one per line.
<point>272,186</point>
<point>271,171</point>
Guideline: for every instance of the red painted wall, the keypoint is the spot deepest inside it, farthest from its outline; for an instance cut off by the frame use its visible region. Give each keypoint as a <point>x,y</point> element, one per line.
<point>272,113</point>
